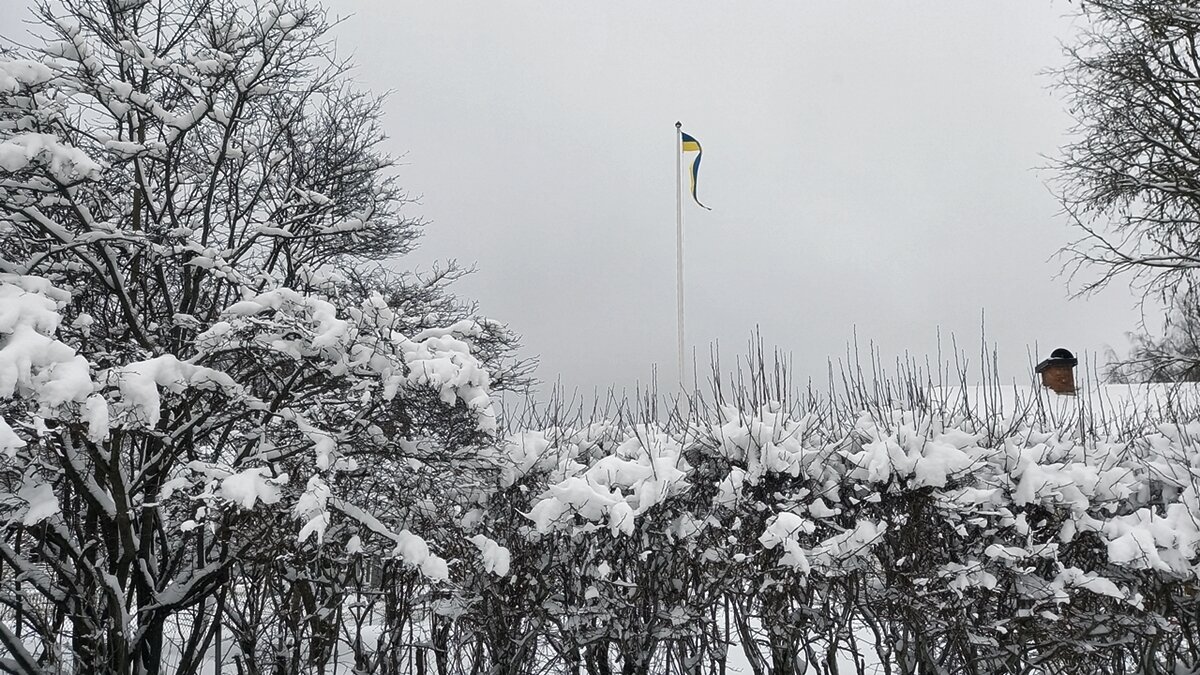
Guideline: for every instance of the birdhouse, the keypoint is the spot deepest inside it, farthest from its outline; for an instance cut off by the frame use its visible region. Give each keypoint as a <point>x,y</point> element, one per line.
<point>1058,372</point>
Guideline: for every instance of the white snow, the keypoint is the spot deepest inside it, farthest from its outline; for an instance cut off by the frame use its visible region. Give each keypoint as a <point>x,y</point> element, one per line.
<point>32,362</point>
<point>95,414</point>
<point>18,73</point>
<point>10,442</point>
<point>495,558</point>
<point>415,551</point>
<point>28,301</point>
<point>42,502</point>
<point>65,163</point>
<point>311,507</point>
<point>785,529</point>
<point>139,384</point>
<point>250,486</point>
<point>1073,577</point>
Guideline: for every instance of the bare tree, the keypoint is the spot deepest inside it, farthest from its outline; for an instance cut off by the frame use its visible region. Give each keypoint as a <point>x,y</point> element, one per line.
<point>1130,181</point>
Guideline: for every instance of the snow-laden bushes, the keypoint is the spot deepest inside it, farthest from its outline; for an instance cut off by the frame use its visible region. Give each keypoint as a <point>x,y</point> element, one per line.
<point>914,536</point>
<point>1139,496</point>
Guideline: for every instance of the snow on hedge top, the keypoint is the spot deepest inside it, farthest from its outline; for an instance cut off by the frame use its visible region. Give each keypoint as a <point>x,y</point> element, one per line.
<point>552,452</point>
<point>1014,496</point>
<point>644,470</point>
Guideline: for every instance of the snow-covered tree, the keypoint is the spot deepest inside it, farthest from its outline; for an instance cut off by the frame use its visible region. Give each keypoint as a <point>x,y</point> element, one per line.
<point>1128,181</point>
<point>208,381</point>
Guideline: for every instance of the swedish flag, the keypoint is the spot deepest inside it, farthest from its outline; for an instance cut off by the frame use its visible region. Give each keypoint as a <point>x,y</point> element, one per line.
<point>690,144</point>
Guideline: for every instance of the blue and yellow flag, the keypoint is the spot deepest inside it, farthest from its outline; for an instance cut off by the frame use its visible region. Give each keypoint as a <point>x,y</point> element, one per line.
<point>690,144</point>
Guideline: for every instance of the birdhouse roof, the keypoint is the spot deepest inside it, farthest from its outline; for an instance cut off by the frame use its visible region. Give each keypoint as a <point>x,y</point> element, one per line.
<point>1059,358</point>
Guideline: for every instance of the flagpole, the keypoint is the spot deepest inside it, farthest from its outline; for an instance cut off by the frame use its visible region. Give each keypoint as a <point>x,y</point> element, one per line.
<point>679,247</point>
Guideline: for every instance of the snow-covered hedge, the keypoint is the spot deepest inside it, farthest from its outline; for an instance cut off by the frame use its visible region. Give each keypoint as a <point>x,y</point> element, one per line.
<point>1138,496</point>
<point>918,536</point>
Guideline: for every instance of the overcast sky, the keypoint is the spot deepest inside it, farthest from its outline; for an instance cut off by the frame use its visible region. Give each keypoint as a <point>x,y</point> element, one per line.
<point>869,165</point>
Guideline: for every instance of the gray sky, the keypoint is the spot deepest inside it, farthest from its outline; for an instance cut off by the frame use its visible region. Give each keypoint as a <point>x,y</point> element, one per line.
<point>869,164</point>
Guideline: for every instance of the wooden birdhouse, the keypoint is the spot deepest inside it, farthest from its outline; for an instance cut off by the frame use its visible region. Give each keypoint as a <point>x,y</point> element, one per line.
<point>1058,372</point>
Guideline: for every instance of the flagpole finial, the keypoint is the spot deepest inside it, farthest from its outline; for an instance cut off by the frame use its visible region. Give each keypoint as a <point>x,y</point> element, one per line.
<point>679,125</point>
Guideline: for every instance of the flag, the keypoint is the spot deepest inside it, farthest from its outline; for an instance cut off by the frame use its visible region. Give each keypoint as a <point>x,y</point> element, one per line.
<point>690,144</point>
